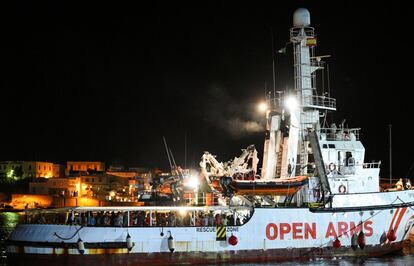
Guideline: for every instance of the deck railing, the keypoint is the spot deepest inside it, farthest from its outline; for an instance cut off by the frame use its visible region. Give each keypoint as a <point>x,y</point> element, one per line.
<point>141,216</point>
<point>322,102</point>
<point>314,101</point>
<point>339,134</point>
<point>372,165</point>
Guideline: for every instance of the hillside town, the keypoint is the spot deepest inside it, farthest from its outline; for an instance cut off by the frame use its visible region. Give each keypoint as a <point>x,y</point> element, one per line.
<point>35,184</point>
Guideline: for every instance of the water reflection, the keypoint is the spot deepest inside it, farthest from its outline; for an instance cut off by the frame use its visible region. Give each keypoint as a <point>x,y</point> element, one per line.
<point>8,221</point>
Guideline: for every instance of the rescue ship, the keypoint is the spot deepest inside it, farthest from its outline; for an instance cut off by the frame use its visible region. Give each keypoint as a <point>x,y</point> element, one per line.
<point>315,197</point>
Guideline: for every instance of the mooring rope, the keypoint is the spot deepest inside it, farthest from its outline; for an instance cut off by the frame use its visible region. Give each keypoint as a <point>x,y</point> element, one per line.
<point>68,238</point>
<point>398,198</point>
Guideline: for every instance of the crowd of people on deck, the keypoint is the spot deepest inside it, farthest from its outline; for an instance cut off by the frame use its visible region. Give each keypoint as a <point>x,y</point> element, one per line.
<point>140,218</point>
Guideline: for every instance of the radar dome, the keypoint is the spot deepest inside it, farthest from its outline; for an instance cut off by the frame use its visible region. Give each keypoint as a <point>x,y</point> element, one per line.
<point>301,18</point>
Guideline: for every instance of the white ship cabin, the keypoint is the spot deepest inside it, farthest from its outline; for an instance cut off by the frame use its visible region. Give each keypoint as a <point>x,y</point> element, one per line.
<point>343,155</point>
<point>161,216</point>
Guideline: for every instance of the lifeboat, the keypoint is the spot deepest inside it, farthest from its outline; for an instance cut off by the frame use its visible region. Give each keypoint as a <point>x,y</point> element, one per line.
<point>215,184</point>
<point>280,186</point>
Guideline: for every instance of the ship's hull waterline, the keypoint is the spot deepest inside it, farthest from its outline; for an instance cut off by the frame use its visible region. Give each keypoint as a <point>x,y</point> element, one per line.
<point>122,257</point>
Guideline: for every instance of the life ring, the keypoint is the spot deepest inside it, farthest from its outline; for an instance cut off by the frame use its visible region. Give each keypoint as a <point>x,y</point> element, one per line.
<point>342,189</point>
<point>332,167</point>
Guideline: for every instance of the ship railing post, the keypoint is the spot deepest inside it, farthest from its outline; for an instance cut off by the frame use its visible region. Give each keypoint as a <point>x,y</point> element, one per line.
<point>193,218</point>
<point>150,217</point>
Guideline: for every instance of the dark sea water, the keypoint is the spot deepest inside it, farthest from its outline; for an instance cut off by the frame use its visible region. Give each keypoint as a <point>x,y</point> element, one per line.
<point>9,220</point>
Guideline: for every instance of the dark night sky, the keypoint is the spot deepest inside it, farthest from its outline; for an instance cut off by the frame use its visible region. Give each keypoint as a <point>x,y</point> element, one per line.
<point>107,81</point>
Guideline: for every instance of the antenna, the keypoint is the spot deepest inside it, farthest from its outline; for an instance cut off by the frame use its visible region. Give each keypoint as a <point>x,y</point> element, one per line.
<point>175,166</point>
<point>323,82</point>
<point>185,150</point>
<point>172,157</point>
<point>389,126</point>
<point>409,170</point>
<point>168,154</point>
<point>273,64</point>
<point>329,82</point>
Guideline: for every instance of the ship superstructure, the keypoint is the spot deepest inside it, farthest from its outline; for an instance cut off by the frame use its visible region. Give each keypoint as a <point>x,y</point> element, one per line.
<point>296,144</point>
<point>298,147</point>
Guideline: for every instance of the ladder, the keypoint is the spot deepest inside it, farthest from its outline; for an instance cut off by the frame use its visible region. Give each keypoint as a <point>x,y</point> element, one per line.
<point>320,165</point>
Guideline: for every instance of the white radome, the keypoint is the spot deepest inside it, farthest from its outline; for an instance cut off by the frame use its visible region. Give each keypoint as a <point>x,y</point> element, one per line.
<point>301,18</point>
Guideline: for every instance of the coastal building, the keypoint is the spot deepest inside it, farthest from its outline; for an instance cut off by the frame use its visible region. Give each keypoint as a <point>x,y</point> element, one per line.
<point>85,166</point>
<point>26,169</point>
<point>96,185</point>
<point>67,187</point>
<point>140,178</point>
<point>58,170</point>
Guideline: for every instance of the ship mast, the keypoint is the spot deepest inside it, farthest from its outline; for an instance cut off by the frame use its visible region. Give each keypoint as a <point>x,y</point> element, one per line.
<point>303,38</point>
<point>291,117</point>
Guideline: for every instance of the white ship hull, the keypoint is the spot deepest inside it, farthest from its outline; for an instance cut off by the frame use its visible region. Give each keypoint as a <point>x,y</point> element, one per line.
<point>271,234</point>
